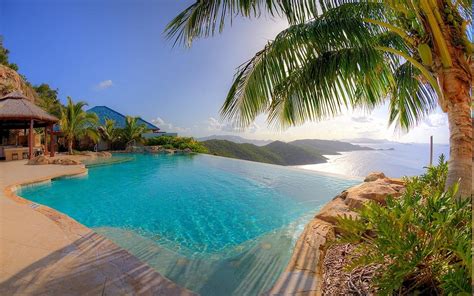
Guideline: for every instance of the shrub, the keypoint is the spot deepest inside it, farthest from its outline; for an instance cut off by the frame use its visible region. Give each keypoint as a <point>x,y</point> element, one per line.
<point>177,143</point>
<point>422,240</point>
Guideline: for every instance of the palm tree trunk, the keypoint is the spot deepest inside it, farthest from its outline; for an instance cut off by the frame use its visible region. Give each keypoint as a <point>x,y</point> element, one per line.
<point>69,146</point>
<point>456,87</point>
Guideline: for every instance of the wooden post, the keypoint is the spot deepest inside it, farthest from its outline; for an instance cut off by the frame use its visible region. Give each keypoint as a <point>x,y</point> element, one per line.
<point>431,150</point>
<point>51,139</point>
<point>30,140</point>
<point>45,140</point>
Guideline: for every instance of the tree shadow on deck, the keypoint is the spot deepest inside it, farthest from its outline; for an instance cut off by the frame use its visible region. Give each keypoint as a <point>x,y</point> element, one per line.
<point>91,265</point>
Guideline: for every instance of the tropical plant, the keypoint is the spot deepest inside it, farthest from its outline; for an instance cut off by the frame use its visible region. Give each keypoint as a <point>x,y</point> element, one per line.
<point>108,132</point>
<point>177,143</point>
<point>48,99</point>
<point>422,240</point>
<point>76,123</point>
<point>352,54</point>
<point>133,130</point>
<point>4,59</point>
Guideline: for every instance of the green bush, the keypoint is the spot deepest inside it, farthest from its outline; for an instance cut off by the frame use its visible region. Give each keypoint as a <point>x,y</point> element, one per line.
<point>422,239</point>
<point>177,143</point>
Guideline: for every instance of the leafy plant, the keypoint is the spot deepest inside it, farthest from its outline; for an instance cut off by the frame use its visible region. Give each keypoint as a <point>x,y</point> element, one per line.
<point>132,131</point>
<point>177,143</point>
<point>422,239</point>
<point>76,123</point>
<point>48,99</point>
<point>109,133</point>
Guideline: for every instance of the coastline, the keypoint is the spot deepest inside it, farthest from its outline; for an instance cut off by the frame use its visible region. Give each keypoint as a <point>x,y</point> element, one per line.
<point>44,250</point>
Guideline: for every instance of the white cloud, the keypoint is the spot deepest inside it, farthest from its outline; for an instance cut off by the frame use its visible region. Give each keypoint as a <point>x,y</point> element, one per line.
<point>361,119</point>
<point>215,125</point>
<point>104,84</point>
<point>436,120</point>
<point>167,126</point>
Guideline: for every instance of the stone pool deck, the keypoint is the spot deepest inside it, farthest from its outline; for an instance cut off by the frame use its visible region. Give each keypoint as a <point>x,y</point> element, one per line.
<point>45,252</point>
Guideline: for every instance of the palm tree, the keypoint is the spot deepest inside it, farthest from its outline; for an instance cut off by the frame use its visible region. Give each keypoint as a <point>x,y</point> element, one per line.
<point>352,54</point>
<point>108,132</point>
<point>76,123</point>
<point>133,130</point>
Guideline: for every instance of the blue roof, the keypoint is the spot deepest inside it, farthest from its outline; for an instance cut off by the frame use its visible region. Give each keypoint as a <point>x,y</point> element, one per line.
<point>104,112</point>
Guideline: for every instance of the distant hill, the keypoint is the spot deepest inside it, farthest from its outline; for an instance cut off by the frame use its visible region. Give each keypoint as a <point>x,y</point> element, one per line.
<point>236,139</point>
<point>275,153</point>
<point>327,147</point>
<point>298,152</point>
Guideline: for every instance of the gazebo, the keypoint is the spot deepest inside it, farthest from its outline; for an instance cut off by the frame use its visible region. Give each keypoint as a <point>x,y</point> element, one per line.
<point>18,112</point>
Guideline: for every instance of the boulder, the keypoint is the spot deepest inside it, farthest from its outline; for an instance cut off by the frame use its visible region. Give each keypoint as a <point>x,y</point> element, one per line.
<point>187,150</point>
<point>374,176</point>
<point>334,209</point>
<point>68,161</point>
<point>64,161</point>
<point>170,151</point>
<point>375,190</point>
<point>105,154</point>
<point>39,160</point>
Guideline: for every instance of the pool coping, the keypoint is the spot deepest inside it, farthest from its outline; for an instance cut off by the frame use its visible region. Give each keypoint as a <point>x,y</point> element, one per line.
<point>73,228</point>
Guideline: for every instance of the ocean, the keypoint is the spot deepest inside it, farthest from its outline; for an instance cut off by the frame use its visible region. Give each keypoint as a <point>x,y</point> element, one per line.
<point>394,159</point>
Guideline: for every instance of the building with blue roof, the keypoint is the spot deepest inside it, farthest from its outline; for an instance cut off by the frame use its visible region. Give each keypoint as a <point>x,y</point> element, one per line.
<point>104,113</point>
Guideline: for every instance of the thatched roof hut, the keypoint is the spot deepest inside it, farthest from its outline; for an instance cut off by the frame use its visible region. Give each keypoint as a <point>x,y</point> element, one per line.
<point>16,111</point>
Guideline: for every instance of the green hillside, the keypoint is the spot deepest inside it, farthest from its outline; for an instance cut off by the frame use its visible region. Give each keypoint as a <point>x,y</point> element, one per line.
<point>275,153</point>
<point>327,147</point>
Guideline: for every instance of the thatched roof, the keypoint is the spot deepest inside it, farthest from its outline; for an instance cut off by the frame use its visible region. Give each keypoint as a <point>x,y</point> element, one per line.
<point>16,107</point>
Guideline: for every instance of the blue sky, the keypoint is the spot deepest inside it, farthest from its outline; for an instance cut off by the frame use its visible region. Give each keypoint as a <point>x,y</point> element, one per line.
<point>113,52</point>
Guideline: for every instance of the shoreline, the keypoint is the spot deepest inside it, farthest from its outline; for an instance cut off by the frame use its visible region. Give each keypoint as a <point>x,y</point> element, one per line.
<point>63,246</point>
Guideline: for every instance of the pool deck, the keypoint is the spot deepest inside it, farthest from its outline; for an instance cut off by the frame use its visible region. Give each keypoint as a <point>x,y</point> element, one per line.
<point>45,252</point>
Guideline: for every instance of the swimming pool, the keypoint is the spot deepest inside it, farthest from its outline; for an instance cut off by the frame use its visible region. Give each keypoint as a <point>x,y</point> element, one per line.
<point>217,226</point>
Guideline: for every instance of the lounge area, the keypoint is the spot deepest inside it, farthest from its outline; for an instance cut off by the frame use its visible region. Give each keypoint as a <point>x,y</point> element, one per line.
<point>21,126</point>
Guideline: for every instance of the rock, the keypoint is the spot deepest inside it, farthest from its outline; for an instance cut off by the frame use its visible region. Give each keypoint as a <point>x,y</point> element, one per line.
<point>335,209</point>
<point>39,160</point>
<point>154,149</point>
<point>375,190</point>
<point>187,150</point>
<point>105,154</point>
<point>396,181</point>
<point>170,151</point>
<point>68,161</point>
<point>374,176</point>
<point>65,161</point>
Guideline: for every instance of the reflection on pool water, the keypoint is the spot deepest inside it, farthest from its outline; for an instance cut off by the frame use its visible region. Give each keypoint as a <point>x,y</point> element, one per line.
<point>217,226</point>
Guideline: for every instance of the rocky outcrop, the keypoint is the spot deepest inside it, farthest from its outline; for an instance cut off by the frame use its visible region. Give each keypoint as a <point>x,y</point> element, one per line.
<point>374,176</point>
<point>41,160</point>
<point>104,154</point>
<point>10,81</point>
<point>154,149</point>
<point>304,273</point>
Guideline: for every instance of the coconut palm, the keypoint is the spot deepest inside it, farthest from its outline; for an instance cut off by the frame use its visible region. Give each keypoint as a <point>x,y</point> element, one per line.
<point>352,54</point>
<point>108,132</point>
<point>133,130</point>
<point>76,123</point>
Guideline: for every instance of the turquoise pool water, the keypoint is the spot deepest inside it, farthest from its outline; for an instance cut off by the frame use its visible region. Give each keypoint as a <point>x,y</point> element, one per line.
<point>215,225</point>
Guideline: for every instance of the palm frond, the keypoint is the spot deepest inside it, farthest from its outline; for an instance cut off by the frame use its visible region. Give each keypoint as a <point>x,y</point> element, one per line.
<point>205,18</point>
<point>325,86</point>
<point>293,57</point>
<point>411,99</point>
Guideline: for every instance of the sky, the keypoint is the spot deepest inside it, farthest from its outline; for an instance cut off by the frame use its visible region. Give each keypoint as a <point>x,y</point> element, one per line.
<point>114,53</point>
